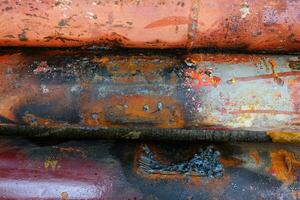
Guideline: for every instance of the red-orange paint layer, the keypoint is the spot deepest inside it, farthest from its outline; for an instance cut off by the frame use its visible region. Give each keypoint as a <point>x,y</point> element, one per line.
<point>251,25</point>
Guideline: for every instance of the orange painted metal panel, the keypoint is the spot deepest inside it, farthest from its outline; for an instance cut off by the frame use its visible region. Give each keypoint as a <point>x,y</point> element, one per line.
<point>250,25</point>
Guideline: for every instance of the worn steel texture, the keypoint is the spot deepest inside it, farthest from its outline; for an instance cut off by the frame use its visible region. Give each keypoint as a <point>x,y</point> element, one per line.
<point>161,93</point>
<point>107,170</point>
<point>249,25</point>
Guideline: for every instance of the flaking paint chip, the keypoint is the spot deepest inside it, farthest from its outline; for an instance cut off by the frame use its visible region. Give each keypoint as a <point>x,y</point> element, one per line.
<point>245,10</point>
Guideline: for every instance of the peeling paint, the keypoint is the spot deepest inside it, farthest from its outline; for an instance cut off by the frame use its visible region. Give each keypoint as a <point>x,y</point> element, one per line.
<point>245,10</point>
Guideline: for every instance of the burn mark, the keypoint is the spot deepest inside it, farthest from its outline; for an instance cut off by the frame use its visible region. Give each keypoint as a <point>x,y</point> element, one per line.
<point>49,111</point>
<point>61,38</point>
<point>6,120</point>
<point>66,69</point>
<point>114,40</point>
<point>63,22</point>
<point>204,163</point>
<point>295,65</point>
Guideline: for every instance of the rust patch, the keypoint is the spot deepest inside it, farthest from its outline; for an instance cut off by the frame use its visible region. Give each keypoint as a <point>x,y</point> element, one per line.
<point>7,107</point>
<point>225,58</point>
<point>102,60</point>
<point>22,36</point>
<point>284,165</point>
<point>125,69</point>
<point>35,121</point>
<point>295,65</point>
<point>143,64</point>
<point>268,76</point>
<point>231,162</point>
<point>72,150</point>
<point>8,57</point>
<point>255,156</point>
<point>276,77</point>
<point>137,110</point>
<point>64,196</point>
<point>284,136</point>
<point>200,78</point>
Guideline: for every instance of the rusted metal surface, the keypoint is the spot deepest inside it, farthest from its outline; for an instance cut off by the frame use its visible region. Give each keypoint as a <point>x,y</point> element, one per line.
<point>94,169</point>
<point>181,93</point>
<point>249,25</point>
